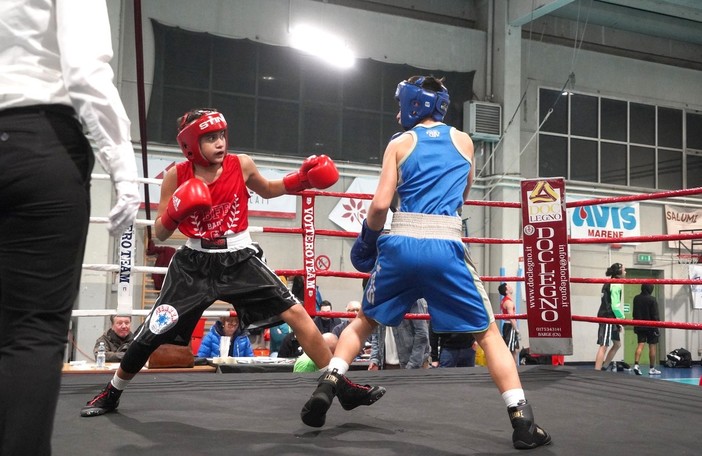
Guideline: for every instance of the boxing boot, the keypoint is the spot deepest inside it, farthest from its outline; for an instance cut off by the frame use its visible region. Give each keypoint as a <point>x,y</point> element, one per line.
<point>105,402</point>
<point>527,434</point>
<point>350,395</point>
<point>314,412</point>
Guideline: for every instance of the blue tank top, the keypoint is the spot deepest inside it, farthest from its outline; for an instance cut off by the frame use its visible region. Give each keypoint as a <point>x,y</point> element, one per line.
<point>434,175</point>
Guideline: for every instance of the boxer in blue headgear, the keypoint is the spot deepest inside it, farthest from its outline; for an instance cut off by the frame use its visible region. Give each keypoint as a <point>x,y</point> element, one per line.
<point>421,97</point>
<point>429,167</point>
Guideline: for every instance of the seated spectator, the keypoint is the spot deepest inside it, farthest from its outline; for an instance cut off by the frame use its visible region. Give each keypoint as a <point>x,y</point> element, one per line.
<point>116,339</point>
<point>452,349</point>
<point>277,336</point>
<point>305,364</point>
<point>326,324</point>
<point>353,307</point>
<point>290,347</point>
<point>403,347</point>
<point>239,347</point>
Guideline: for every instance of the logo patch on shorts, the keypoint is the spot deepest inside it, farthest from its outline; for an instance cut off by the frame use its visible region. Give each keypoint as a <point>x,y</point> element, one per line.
<point>163,318</point>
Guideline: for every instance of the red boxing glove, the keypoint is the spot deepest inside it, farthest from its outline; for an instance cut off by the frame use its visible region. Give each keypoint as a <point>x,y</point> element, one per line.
<point>189,198</point>
<point>315,172</point>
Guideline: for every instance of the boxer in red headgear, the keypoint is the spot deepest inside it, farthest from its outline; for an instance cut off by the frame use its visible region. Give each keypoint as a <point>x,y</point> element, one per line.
<point>206,198</point>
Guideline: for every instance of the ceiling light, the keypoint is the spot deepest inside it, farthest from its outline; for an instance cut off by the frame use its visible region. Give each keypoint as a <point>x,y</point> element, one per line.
<point>330,48</point>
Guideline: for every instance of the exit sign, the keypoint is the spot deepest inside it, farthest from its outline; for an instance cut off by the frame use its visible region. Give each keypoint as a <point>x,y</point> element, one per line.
<point>644,258</point>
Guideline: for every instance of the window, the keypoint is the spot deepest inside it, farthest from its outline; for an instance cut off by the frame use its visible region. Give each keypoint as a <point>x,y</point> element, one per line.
<point>694,131</point>
<point>614,169</point>
<point>280,101</point>
<point>596,139</point>
<point>553,156</point>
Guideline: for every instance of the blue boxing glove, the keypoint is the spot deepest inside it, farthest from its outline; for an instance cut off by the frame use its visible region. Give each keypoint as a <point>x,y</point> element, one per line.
<point>365,251</point>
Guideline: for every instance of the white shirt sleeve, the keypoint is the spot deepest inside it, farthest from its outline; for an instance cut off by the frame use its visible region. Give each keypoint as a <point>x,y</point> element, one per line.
<point>85,46</point>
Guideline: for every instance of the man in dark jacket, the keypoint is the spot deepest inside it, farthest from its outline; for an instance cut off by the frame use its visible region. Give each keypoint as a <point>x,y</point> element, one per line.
<point>646,308</point>
<point>326,324</point>
<point>452,349</point>
<point>116,339</point>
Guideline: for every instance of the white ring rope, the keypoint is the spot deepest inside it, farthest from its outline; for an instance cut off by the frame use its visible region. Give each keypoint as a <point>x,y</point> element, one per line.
<point>144,180</point>
<point>117,268</point>
<point>146,222</point>
<point>140,222</point>
<point>137,312</point>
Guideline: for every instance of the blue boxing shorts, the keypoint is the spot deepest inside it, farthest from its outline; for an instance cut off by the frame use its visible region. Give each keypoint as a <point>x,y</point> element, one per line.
<point>413,265</point>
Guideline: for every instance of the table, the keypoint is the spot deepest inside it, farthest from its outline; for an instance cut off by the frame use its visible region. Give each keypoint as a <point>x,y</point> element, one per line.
<point>110,368</point>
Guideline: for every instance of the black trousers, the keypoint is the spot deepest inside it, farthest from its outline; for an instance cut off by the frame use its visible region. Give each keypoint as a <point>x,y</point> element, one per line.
<point>45,166</point>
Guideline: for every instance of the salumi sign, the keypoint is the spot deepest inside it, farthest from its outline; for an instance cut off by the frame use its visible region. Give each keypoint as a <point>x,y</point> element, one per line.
<point>546,268</point>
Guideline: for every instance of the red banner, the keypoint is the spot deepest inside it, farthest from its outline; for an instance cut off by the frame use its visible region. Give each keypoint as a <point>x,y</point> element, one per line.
<point>546,266</point>
<point>308,254</point>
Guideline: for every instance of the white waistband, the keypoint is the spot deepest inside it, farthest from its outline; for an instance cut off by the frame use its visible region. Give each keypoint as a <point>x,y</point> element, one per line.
<point>236,241</point>
<point>426,225</point>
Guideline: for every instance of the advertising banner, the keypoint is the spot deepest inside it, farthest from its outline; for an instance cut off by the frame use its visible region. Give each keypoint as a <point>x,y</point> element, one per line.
<point>308,253</point>
<point>349,213</point>
<point>695,271</point>
<point>125,281</point>
<point>680,219</point>
<point>546,266</point>
<point>610,220</point>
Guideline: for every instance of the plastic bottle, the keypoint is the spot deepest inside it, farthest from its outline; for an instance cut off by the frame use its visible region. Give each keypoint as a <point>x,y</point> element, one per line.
<point>100,357</point>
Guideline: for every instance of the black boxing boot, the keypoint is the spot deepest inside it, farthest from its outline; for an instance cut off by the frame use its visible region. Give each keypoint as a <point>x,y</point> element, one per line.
<point>351,394</point>
<point>527,434</point>
<point>105,402</point>
<point>314,412</point>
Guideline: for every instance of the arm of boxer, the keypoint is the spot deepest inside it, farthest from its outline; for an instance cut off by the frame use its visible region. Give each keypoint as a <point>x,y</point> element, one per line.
<point>365,251</point>
<point>315,172</point>
<point>192,196</point>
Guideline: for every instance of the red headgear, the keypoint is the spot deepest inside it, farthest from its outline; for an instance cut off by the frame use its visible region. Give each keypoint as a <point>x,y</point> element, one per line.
<point>189,136</point>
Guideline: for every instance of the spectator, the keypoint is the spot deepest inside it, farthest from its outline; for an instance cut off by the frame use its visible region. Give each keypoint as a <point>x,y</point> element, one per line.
<point>452,349</point>
<point>304,364</point>
<point>510,330</point>
<point>298,290</point>
<point>646,308</point>
<point>290,347</point>
<point>277,336</point>
<point>353,307</point>
<point>240,346</point>
<point>116,339</point>
<point>56,87</point>
<point>403,347</point>
<point>610,302</point>
<point>326,324</point>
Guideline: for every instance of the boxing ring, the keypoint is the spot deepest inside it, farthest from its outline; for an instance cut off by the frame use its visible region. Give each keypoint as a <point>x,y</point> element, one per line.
<point>426,411</point>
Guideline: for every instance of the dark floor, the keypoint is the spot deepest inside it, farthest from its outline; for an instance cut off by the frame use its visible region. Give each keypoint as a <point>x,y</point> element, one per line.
<point>425,412</point>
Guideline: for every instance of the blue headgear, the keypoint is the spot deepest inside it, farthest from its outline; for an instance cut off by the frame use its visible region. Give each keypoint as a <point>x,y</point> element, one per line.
<point>416,102</point>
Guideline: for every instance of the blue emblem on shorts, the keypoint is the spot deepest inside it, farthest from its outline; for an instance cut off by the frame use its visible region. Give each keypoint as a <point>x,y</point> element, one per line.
<point>163,318</point>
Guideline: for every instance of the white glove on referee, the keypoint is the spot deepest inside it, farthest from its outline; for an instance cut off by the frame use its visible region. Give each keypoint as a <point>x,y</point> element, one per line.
<point>120,163</point>
<point>125,210</point>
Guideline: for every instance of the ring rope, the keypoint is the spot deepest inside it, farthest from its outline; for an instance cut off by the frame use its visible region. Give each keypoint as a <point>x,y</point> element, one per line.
<point>336,233</point>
